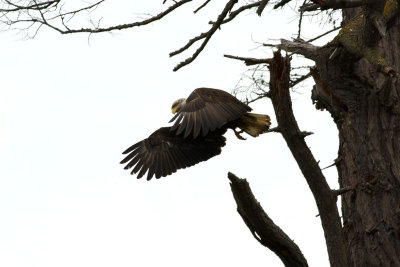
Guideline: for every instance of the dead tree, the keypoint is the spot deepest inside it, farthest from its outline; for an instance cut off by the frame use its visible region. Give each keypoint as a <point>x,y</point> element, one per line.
<point>356,81</point>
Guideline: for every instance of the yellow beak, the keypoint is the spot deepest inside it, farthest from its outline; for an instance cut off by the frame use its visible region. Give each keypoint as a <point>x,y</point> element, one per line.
<point>174,109</point>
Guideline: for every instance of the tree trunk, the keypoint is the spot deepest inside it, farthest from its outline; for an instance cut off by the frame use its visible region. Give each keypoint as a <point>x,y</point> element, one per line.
<point>364,102</point>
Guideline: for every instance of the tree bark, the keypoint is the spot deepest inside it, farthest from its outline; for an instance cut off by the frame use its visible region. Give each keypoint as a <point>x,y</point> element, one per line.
<point>262,227</point>
<point>324,197</point>
<point>364,102</point>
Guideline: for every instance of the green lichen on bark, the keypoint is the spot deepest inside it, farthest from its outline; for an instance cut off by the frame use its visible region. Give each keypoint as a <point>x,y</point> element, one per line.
<point>352,38</point>
<point>390,9</point>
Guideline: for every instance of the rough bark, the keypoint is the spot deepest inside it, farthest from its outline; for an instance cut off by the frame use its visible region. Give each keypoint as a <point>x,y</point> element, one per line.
<point>364,102</point>
<point>325,198</point>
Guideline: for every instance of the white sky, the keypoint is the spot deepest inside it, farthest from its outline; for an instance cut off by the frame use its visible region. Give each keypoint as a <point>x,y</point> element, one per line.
<point>68,108</point>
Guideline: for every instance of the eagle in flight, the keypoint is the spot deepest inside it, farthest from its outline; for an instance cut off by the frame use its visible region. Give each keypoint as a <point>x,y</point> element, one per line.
<point>201,120</point>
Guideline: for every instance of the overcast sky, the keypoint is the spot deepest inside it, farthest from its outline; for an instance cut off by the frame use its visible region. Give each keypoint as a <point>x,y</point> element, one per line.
<point>69,105</point>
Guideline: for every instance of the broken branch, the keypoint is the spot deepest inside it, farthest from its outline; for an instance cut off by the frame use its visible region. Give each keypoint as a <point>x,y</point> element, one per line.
<point>250,61</point>
<point>262,227</point>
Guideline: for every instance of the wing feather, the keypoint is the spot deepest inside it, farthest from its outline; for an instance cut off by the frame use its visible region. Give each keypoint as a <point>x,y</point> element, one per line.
<point>197,124</point>
<point>189,126</point>
<point>174,117</point>
<point>204,122</point>
<point>179,117</point>
<point>138,166</point>
<point>144,168</point>
<point>131,151</point>
<point>152,167</point>
<point>222,115</point>
<point>132,161</point>
<point>164,152</point>
<point>176,159</point>
<point>215,118</point>
<point>183,124</point>
<point>210,120</point>
<point>171,163</point>
<point>161,167</point>
<point>207,109</point>
<point>229,111</point>
<point>167,165</point>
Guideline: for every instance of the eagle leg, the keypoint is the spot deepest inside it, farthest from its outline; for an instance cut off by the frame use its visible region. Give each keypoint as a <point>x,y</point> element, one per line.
<point>237,133</point>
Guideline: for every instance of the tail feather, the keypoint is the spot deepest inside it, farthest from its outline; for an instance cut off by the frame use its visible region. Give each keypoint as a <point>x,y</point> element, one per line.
<point>255,124</point>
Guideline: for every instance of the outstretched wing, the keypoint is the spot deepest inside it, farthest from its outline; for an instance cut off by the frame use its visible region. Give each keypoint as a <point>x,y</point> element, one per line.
<point>205,110</point>
<point>164,152</point>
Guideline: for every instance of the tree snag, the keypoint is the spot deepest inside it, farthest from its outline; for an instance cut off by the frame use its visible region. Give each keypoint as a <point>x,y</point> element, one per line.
<point>262,227</point>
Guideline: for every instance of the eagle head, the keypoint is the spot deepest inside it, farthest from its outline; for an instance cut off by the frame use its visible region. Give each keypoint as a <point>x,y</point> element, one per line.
<point>177,105</point>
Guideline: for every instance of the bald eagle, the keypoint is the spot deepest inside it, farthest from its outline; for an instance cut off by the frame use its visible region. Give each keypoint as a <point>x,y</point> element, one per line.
<point>201,120</point>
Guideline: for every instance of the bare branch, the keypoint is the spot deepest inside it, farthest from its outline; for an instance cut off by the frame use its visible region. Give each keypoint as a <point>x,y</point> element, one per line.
<point>334,4</point>
<point>257,98</point>
<point>299,26</point>
<point>299,47</point>
<point>322,35</point>
<point>35,6</point>
<point>261,7</point>
<point>342,191</point>
<point>236,12</point>
<point>262,227</point>
<point>281,3</point>
<point>299,80</point>
<point>325,199</point>
<point>200,7</point>
<point>59,22</point>
<point>209,34</point>
<point>250,61</point>
<point>274,130</point>
<point>189,44</point>
<point>134,24</point>
<point>309,7</point>
<point>96,29</point>
<point>73,13</point>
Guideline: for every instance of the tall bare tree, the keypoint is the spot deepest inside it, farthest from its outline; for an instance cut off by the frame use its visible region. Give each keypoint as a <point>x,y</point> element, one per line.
<point>356,81</point>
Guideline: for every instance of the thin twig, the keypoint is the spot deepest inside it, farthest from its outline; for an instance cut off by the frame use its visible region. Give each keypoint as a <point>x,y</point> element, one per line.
<point>78,10</point>
<point>325,33</point>
<point>236,12</point>
<point>281,3</point>
<point>214,28</point>
<point>98,29</point>
<point>36,6</point>
<point>257,98</point>
<point>300,21</point>
<point>250,61</point>
<point>203,5</point>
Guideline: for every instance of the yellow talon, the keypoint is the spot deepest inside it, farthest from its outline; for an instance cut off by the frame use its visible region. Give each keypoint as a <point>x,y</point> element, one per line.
<point>237,133</point>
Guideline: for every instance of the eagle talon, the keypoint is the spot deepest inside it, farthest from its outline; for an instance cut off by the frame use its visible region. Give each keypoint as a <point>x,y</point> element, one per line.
<point>237,133</point>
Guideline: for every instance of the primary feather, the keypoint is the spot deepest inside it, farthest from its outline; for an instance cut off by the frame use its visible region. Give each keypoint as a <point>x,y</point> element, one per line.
<point>164,152</point>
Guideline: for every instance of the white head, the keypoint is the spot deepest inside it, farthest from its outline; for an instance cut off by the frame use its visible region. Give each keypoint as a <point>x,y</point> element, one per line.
<point>178,104</point>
